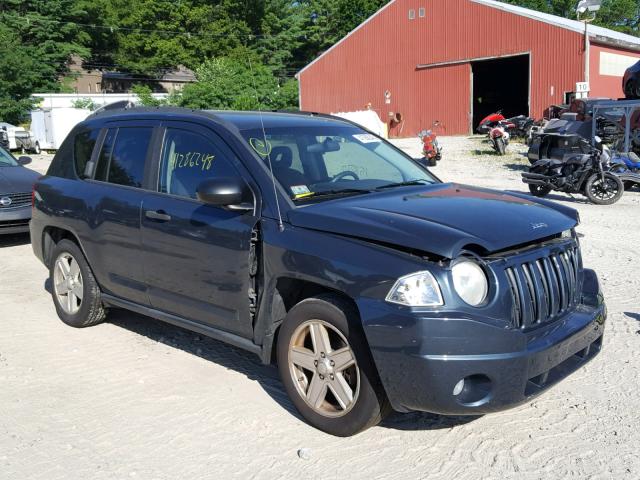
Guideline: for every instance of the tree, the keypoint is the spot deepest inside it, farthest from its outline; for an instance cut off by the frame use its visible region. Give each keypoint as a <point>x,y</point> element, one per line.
<point>239,81</point>
<point>622,15</point>
<point>37,39</point>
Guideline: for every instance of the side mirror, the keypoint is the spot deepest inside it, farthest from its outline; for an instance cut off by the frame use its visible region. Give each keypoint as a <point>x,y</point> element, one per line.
<point>224,192</point>
<point>24,160</point>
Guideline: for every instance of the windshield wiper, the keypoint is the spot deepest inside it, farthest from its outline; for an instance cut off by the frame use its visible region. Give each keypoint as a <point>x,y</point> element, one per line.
<point>331,193</point>
<point>409,183</point>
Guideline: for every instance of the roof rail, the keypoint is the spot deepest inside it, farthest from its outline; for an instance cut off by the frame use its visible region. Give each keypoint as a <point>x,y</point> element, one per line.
<point>121,105</point>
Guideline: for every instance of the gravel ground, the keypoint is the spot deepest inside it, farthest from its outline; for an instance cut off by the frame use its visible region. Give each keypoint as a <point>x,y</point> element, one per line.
<point>135,398</point>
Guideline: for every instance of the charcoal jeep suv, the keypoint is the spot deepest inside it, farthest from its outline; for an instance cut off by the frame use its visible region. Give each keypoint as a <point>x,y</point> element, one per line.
<point>321,247</point>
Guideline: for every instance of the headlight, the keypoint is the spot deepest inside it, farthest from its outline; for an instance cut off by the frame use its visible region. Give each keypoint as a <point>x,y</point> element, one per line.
<point>567,234</point>
<point>470,282</point>
<point>416,290</point>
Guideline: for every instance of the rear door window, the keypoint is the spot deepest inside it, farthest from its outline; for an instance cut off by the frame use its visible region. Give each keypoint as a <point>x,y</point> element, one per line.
<point>188,158</point>
<point>123,155</point>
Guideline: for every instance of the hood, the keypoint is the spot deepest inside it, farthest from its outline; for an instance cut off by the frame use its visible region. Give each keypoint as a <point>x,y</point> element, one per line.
<point>440,219</point>
<point>17,180</point>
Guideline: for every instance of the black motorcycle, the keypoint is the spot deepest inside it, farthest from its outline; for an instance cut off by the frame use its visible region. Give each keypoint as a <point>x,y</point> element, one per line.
<point>523,125</point>
<point>577,172</point>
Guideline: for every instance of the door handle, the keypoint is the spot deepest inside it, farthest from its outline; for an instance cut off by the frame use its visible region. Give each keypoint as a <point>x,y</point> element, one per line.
<point>160,215</point>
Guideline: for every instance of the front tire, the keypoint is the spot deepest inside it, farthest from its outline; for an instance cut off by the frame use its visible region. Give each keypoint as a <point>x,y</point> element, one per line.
<point>326,367</point>
<point>539,190</point>
<point>36,149</point>
<point>501,146</point>
<point>605,192</point>
<point>74,289</point>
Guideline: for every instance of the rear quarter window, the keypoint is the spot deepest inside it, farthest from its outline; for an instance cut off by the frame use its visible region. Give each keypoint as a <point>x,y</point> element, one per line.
<point>83,145</point>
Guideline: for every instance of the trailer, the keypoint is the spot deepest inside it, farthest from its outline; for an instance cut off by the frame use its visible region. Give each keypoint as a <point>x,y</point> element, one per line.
<point>50,126</point>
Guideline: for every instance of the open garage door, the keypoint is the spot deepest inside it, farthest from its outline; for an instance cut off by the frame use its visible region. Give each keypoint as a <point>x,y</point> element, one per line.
<point>500,84</point>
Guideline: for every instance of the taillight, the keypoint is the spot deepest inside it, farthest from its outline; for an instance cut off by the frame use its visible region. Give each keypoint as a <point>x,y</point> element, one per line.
<point>33,193</point>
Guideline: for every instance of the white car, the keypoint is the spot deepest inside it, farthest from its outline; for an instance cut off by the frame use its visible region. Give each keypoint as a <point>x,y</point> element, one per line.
<point>20,139</point>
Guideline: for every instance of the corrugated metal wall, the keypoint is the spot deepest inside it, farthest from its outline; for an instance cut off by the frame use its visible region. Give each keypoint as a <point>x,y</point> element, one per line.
<point>383,55</point>
<point>607,85</point>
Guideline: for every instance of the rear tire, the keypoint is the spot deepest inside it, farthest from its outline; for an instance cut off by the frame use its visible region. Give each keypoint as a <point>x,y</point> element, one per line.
<point>75,292</point>
<point>539,190</point>
<point>326,367</point>
<point>606,193</point>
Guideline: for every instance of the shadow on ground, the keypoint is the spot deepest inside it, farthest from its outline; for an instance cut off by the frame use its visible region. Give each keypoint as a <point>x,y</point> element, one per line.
<point>249,365</point>
<point>517,167</point>
<point>634,316</point>
<point>14,240</point>
<point>558,197</point>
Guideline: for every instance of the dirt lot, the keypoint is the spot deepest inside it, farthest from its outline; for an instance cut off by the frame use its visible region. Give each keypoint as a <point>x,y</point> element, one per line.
<point>135,398</point>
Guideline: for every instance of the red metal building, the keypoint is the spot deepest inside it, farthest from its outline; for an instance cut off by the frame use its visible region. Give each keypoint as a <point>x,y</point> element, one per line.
<point>454,61</point>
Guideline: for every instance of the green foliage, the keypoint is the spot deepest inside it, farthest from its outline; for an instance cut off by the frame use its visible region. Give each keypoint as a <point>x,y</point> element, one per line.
<point>622,15</point>
<point>37,38</point>
<point>84,104</point>
<point>239,81</point>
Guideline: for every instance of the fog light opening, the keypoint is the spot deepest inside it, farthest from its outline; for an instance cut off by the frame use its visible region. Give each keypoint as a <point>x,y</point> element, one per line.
<point>473,390</point>
<point>457,390</point>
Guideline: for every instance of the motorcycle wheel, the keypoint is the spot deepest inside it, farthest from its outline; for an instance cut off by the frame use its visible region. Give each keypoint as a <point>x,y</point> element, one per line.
<point>501,146</point>
<point>605,192</point>
<point>539,190</point>
<point>432,162</point>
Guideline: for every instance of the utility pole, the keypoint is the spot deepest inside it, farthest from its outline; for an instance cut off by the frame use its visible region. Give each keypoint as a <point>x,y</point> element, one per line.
<point>583,7</point>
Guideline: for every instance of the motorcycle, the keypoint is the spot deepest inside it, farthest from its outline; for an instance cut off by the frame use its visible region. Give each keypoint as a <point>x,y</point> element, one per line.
<point>499,138</point>
<point>489,122</point>
<point>431,149</point>
<point>627,167</point>
<point>585,173</point>
<point>518,126</point>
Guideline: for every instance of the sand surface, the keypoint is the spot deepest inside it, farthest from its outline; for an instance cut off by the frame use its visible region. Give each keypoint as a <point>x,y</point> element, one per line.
<point>135,398</point>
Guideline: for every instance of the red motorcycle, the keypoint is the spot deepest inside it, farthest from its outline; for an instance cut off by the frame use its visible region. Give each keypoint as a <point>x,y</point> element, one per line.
<point>499,138</point>
<point>489,122</point>
<point>431,149</point>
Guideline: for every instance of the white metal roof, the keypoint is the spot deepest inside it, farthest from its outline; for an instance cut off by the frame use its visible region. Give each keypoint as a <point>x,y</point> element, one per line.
<point>596,32</point>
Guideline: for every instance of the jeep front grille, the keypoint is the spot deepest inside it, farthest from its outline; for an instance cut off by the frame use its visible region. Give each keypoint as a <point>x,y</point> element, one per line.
<point>545,288</point>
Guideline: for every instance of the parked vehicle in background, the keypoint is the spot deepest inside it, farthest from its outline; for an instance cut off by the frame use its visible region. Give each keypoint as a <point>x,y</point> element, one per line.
<point>631,82</point>
<point>627,167</point>
<point>4,138</point>
<point>431,149</point>
<point>499,138</point>
<point>585,173</point>
<point>490,121</point>
<point>16,185</point>
<point>518,126</point>
<point>20,139</point>
<point>51,126</point>
<point>309,241</point>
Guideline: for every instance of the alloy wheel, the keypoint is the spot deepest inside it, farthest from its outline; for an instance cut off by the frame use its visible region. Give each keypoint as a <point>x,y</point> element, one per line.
<point>604,190</point>
<point>67,283</point>
<point>323,368</point>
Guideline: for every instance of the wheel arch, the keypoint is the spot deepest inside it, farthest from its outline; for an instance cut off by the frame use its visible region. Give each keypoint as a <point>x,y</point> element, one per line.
<point>285,293</point>
<point>51,236</point>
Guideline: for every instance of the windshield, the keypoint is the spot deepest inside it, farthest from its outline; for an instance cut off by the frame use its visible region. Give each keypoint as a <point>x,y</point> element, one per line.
<point>328,161</point>
<point>6,160</point>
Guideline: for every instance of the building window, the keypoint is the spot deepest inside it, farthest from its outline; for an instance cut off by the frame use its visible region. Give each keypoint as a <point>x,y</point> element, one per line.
<point>412,14</point>
<point>422,12</point>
